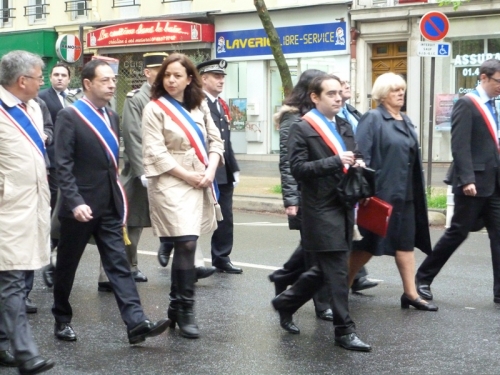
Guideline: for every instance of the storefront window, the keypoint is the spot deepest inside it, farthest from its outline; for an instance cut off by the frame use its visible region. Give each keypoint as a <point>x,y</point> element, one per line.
<point>469,55</point>
<point>235,94</point>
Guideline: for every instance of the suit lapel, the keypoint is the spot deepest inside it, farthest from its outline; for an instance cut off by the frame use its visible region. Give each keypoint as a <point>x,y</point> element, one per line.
<point>55,98</point>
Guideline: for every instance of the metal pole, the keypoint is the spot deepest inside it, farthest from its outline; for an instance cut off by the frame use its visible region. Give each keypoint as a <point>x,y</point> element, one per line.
<point>431,126</point>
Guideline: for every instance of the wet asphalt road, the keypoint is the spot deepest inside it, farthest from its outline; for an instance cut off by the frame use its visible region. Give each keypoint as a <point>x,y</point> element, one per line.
<point>240,333</point>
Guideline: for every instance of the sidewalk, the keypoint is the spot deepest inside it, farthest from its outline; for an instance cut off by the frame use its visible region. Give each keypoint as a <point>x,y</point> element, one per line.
<point>259,176</point>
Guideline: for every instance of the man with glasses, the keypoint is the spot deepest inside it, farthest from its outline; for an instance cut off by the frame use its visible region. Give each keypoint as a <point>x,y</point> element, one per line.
<point>474,176</point>
<point>93,203</point>
<point>24,198</point>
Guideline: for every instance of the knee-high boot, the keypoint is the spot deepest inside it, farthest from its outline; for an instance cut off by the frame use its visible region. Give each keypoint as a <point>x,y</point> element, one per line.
<point>184,285</point>
<point>173,307</point>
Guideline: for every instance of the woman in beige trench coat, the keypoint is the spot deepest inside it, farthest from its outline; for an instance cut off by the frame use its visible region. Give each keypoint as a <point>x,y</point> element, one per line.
<point>182,149</point>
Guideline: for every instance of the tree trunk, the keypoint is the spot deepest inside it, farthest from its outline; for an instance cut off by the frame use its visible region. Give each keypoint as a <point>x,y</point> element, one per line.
<point>275,44</point>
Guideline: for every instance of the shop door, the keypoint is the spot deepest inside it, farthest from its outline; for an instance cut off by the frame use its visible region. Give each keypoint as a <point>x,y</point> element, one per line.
<point>389,57</point>
<point>276,100</point>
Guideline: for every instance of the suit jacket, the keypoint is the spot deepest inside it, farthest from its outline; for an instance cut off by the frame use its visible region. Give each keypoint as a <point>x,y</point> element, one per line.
<point>49,96</point>
<point>85,173</point>
<point>327,224</point>
<point>353,111</point>
<point>475,154</point>
<point>224,174</point>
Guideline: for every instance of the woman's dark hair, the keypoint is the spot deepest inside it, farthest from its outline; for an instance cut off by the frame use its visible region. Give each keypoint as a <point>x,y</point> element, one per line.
<point>193,93</point>
<point>298,97</point>
<point>88,71</point>
<point>315,85</point>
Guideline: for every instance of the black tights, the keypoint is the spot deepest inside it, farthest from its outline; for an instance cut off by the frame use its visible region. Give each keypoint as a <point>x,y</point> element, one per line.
<point>184,255</point>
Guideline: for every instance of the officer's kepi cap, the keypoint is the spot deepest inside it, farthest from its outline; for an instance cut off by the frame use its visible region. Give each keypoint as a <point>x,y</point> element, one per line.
<point>154,59</point>
<point>212,66</point>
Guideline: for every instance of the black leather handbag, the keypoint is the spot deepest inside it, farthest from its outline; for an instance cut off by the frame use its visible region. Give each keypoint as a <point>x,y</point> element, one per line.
<point>356,184</point>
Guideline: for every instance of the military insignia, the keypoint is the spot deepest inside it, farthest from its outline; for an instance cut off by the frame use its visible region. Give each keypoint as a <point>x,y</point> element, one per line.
<point>130,94</point>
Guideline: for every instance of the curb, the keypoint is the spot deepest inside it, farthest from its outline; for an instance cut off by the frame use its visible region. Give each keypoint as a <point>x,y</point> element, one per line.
<point>256,203</point>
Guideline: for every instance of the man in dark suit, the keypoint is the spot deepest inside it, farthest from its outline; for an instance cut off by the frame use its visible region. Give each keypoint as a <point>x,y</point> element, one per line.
<point>93,203</point>
<point>474,176</point>
<point>212,75</point>
<point>54,98</point>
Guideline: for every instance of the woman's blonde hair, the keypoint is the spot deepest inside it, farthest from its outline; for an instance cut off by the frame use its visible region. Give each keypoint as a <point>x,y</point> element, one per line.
<point>386,83</point>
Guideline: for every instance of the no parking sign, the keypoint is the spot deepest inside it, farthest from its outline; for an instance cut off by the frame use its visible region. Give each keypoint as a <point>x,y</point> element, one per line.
<point>434,26</point>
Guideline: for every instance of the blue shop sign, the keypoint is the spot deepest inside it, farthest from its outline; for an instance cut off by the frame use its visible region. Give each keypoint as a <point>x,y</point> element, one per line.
<point>294,39</point>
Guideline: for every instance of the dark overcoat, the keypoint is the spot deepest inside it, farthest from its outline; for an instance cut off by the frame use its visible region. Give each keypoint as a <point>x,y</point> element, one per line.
<point>385,145</point>
<point>327,225</point>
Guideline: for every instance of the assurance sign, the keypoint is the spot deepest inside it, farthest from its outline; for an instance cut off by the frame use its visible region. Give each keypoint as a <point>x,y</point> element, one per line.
<point>150,32</point>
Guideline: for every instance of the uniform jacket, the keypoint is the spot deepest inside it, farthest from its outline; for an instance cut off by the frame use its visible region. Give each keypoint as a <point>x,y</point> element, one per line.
<point>177,208</point>
<point>224,174</point>
<point>475,154</point>
<point>85,173</point>
<point>385,145</point>
<point>327,224</point>
<point>137,194</point>
<point>24,195</point>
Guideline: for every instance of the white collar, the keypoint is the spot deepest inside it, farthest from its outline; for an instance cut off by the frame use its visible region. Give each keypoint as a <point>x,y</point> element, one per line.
<point>210,96</point>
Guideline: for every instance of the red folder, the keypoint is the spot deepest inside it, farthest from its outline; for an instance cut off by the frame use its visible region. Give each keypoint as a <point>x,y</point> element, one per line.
<point>375,216</point>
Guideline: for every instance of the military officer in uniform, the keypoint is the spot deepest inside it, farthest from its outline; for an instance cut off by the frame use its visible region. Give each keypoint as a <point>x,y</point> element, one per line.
<point>212,75</point>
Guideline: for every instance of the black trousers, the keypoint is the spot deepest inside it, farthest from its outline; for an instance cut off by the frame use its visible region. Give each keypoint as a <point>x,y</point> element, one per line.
<point>467,211</point>
<point>331,270</point>
<point>108,234</point>
<point>53,188</point>
<point>222,238</point>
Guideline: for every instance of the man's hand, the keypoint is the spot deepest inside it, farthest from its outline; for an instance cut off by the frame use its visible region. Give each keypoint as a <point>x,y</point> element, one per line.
<point>347,157</point>
<point>236,176</point>
<point>144,181</point>
<point>291,210</point>
<point>470,190</point>
<point>82,213</point>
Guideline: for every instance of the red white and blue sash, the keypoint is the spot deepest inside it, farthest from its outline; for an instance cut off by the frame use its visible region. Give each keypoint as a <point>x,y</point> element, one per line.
<point>183,119</point>
<point>22,121</point>
<point>326,131</point>
<point>107,137</point>
<point>486,114</point>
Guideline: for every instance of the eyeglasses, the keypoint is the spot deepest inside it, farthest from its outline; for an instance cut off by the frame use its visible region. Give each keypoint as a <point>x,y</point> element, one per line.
<point>496,80</point>
<point>40,79</point>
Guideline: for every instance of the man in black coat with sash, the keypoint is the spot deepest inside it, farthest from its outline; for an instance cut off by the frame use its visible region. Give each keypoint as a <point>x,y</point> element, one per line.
<point>474,176</point>
<point>212,74</point>
<point>93,203</point>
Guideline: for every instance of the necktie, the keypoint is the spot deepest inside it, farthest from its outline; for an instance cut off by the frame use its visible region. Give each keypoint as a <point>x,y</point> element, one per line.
<point>493,110</point>
<point>63,96</point>
<point>23,106</point>
<point>217,104</point>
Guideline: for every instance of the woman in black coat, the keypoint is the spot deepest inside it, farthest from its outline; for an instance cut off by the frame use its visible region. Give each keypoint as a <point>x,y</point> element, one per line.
<point>388,142</point>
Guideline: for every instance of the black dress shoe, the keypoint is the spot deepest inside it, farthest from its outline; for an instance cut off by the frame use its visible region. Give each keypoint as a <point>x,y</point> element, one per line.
<point>228,268</point>
<point>417,303</point>
<point>204,272</point>
<point>48,275</point>
<point>30,306</point>
<point>7,359</point>
<point>424,291</point>
<point>36,365</point>
<point>164,252</point>
<point>351,341</point>
<point>286,319</point>
<point>362,283</point>
<point>139,277</point>
<point>63,331</point>
<point>325,315</point>
<point>147,329</point>
<point>104,286</point>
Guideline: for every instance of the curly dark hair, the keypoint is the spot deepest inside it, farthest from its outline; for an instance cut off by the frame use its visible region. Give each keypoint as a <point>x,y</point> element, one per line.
<point>298,97</point>
<point>193,93</point>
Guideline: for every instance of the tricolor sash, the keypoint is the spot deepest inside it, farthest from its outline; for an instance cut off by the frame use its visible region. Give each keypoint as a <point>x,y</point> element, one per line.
<point>22,121</point>
<point>106,136</point>
<point>486,114</point>
<point>183,119</point>
<point>326,131</point>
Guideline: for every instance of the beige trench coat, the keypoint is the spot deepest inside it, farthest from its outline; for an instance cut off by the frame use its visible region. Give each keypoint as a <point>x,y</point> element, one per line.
<point>177,208</point>
<point>24,195</point>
